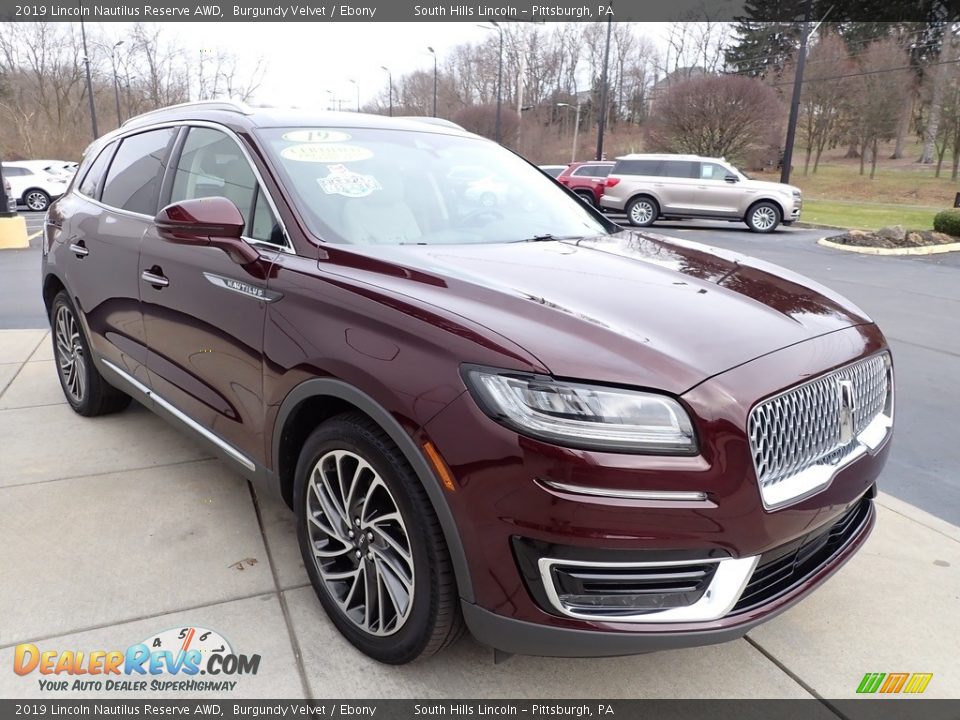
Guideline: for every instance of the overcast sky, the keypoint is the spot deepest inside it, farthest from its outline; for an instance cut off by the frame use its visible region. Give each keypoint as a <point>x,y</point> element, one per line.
<point>304,60</point>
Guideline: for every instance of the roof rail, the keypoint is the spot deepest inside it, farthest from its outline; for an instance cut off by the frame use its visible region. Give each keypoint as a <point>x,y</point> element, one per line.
<point>237,106</point>
<point>429,120</point>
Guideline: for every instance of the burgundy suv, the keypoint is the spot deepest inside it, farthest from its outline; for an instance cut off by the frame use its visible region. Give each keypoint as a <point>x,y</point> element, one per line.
<point>573,438</point>
<point>587,179</point>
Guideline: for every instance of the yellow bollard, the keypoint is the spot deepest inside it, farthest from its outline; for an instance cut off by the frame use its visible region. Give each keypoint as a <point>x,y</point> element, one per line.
<point>13,233</point>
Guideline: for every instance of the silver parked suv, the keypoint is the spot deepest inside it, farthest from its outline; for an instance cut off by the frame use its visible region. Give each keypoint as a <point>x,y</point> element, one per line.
<point>648,187</point>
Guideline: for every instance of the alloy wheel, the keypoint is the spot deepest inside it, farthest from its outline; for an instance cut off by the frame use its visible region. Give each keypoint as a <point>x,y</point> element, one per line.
<point>642,212</point>
<point>360,543</point>
<point>36,200</point>
<point>764,218</point>
<point>71,362</point>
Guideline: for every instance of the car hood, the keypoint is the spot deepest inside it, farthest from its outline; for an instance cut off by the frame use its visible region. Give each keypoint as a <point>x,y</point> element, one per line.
<point>631,308</point>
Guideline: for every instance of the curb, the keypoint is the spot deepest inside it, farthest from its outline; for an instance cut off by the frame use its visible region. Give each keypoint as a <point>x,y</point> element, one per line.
<point>922,517</point>
<point>816,226</point>
<point>922,250</point>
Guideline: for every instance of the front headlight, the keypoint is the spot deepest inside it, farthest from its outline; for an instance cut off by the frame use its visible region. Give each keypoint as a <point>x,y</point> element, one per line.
<point>583,416</point>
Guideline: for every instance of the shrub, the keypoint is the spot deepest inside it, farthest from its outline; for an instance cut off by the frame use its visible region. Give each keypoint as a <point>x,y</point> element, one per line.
<point>947,221</point>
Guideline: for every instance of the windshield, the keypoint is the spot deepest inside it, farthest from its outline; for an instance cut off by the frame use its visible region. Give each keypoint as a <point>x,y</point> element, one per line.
<point>375,186</point>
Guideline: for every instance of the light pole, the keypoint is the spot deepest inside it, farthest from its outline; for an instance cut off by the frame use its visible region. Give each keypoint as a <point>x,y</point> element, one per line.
<point>576,129</point>
<point>390,80</point>
<point>601,124</point>
<point>86,62</point>
<point>496,26</point>
<point>357,86</point>
<point>116,80</point>
<point>332,102</point>
<point>434,53</point>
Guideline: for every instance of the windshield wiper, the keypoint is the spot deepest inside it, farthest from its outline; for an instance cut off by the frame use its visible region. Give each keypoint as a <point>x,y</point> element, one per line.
<point>547,237</point>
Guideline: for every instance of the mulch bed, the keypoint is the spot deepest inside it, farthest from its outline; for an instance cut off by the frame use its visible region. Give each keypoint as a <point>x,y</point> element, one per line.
<point>863,238</point>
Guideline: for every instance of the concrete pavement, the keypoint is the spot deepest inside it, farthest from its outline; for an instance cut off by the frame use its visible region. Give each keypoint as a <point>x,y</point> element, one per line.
<point>115,529</point>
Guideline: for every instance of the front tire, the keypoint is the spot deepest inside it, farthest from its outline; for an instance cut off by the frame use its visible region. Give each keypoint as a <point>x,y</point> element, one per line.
<point>642,211</point>
<point>36,200</point>
<point>372,545</point>
<point>83,385</point>
<point>764,217</point>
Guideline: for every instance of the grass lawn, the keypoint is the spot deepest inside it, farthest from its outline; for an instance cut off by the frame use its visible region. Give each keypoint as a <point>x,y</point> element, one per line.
<point>867,216</point>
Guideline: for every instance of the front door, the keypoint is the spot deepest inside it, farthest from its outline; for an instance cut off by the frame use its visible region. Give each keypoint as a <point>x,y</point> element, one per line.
<point>203,312</point>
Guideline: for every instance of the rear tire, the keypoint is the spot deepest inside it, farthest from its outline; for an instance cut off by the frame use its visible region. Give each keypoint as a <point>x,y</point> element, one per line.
<point>587,197</point>
<point>764,217</point>
<point>373,546</point>
<point>83,385</point>
<point>642,211</point>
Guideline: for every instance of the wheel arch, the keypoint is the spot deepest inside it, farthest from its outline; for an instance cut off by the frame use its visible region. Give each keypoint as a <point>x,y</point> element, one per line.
<point>23,195</point>
<point>315,400</point>
<point>52,284</point>
<point>771,200</point>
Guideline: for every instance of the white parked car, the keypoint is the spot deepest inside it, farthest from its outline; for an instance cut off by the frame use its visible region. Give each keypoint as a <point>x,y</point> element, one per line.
<point>33,185</point>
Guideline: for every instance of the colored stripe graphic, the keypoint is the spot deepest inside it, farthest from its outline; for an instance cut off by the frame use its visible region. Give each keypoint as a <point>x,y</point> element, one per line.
<point>870,682</point>
<point>918,682</point>
<point>894,683</point>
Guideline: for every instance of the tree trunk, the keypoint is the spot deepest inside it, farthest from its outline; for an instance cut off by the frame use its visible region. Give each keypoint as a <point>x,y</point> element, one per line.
<point>806,164</point>
<point>863,154</point>
<point>873,157</point>
<point>852,152</point>
<point>940,76</point>
<point>903,127</point>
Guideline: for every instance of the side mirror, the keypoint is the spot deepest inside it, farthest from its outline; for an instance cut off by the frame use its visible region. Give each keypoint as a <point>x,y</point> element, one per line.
<point>213,221</point>
<point>732,179</point>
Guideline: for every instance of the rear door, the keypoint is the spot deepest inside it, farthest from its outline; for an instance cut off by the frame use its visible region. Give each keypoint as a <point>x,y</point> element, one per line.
<point>204,313</point>
<point>677,186</point>
<point>108,215</point>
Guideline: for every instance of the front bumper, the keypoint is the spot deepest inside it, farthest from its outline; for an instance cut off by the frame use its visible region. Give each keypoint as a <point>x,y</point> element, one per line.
<point>529,638</point>
<point>502,497</point>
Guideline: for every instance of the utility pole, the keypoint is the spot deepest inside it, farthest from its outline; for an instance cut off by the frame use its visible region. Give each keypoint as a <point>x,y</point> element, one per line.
<point>86,62</point>
<point>601,125</point>
<point>795,102</point>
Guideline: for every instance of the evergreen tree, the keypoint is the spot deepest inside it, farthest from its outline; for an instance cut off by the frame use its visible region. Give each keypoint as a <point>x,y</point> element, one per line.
<point>767,36</point>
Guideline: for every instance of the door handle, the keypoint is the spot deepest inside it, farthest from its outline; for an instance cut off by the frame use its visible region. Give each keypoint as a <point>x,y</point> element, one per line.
<point>158,281</point>
<point>79,249</point>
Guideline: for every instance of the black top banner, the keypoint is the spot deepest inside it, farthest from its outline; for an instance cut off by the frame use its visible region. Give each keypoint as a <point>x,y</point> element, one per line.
<point>485,11</point>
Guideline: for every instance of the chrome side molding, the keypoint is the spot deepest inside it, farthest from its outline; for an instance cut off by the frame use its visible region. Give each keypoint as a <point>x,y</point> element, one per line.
<point>180,415</point>
<point>624,494</point>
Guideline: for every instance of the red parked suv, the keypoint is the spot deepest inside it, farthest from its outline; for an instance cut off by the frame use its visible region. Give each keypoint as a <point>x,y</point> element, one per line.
<point>574,439</point>
<point>587,179</point>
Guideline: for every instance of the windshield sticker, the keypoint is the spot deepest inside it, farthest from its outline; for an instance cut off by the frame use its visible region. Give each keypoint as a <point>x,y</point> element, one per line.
<point>316,136</point>
<point>325,153</point>
<point>341,181</point>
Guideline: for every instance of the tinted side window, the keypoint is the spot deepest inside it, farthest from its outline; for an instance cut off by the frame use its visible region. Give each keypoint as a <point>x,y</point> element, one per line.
<point>585,170</point>
<point>15,171</point>
<point>211,165</point>
<point>133,182</point>
<point>712,171</point>
<point>638,167</point>
<point>98,168</point>
<point>681,169</point>
<point>602,170</point>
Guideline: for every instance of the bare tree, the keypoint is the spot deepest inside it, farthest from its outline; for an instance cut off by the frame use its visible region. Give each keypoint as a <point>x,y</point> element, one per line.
<point>715,115</point>
<point>878,93</point>
<point>824,96</point>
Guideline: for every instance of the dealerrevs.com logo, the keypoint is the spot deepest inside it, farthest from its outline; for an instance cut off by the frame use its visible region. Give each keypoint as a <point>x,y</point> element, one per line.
<point>172,660</point>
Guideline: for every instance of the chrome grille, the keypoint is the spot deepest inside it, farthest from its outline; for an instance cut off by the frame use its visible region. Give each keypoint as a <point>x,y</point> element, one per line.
<point>801,428</point>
